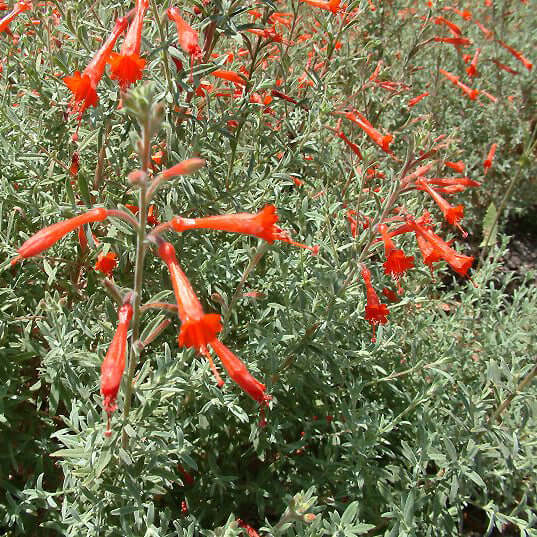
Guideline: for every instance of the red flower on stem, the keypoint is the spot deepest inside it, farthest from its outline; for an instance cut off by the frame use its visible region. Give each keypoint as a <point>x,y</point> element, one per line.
<point>472,69</point>
<point>472,93</point>
<point>187,37</point>
<point>261,225</point>
<point>417,99</point>
<point>197,328</point>
<point>397,263</point>
<point>383,141</point>
<point>84,86</point>
<point>127,66</point>
<point>490,157</point>
<point>19,8</point>
<point>459,263</point>
<point>114,363</point>
<point>452,214</point>
<point>230,76</point>
<point>456,166</point>
<point>518,55</point>
<point>49,235</point>
<point>330,5</point>
<point>375,312</point>
<point>106,263</point>
<point>239,372</point>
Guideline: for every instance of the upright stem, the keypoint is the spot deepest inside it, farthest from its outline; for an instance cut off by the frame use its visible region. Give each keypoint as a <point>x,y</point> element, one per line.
<point>138,276</point>
<point>167,74</point>
<point>526,381</point>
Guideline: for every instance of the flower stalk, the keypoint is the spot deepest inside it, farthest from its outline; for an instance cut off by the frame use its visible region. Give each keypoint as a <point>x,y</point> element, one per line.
<point>145,156</point>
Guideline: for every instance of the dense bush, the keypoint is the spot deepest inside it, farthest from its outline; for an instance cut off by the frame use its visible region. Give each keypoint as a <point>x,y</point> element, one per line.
<point>428,431</point>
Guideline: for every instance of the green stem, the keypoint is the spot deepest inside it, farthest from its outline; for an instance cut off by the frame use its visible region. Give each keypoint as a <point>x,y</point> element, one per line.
<point>260,252</point>
<point>165,61</point>
<point>526,381</point>
<point>138,276</point>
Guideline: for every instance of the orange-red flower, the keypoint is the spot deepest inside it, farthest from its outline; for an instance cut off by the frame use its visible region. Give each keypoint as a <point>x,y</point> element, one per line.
<point>114,363</point>
<point>518,55</point>
<point>230,76</point>
<point>19,8</point>
<point>239,373</point>
<point>490,157</point>
<point>351,145</point>
<point>49,235</point>
<point>84,86</point>
<point>375,312</point>
<point>382,141</point>
<point>329,5</point>
<point>185,167</point>
<point>506,68</point>
<point>456,41</point>
<point>106,263</point>
<point>397,263</point>
<point>261,225</point>
<point>417,99</point>
<point>472,68</point>
<point>452,214</point>
<point>472,93</point>
<point>457,166</point>
<point>152,219</point>
<point>454,29</point>
<point>127,66</point>
<point>197,328</point>
<point>187,37</point>
<point>459,263</point>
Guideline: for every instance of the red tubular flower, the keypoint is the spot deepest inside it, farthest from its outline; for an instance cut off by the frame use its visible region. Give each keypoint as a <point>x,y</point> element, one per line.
<point>375,312</point>
<point>19,8</point>
<point>490,157</point>
<point>397,263</point>
<point>114,363</point>
<point>417,99</point>
<point>187,37</point>
<point>239,373</point>
<point>455,30</point>
<point>452,214</point>
<point>456,41</point>
<point>518,55</point>
<point>472,93</point>
<point>127,66</point>
<point>458,262</point>
<point>261,225</point>
<point>390,295</point>
<point>505,67</point>
<point>451,181</point>
<point>106,263</point>
<point>382,141</point>
<point>185,167</point>
<point>465,14</point>
<point>429,253</point>
<point>280,95</point>
<point>230,76</point>
<point>331,5</point>
<point>84,86</point>
<point>352,146</point>
<point>197,328</point>
<point>47,236</point>
<point>472,69</point>
<point>457,166</point>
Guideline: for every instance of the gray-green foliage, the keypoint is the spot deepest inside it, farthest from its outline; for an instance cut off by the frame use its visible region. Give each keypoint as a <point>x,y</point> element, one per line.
<point>388,439</point>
